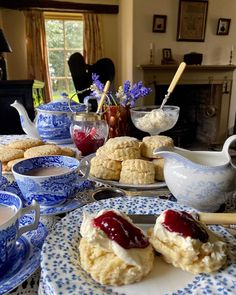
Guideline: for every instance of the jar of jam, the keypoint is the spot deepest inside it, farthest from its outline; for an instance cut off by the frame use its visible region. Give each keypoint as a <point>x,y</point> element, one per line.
<point>88,132</point>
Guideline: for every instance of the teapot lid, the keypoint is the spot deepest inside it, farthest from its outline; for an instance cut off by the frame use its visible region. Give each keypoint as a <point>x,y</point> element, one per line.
<point>62,105</point>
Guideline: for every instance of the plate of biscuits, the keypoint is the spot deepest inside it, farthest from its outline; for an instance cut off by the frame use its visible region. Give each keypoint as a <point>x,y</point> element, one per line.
<point>98,250</point>
<point>18,149</point>
<point>128,163</point>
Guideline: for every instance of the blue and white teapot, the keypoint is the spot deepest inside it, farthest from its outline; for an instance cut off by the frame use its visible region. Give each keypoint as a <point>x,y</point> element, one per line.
<point>52,121</point>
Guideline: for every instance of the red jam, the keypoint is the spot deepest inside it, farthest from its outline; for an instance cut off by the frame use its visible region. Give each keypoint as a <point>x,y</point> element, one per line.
<point>87,143</point>
<point>121,230</point>
<point>183,223</point>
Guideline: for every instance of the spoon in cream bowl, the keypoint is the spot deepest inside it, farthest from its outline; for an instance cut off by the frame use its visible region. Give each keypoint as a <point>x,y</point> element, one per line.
<point>157,119</point>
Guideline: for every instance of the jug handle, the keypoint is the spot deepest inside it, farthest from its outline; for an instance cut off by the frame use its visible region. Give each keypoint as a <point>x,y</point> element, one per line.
<point>227,143</point>
<point>226,146</point>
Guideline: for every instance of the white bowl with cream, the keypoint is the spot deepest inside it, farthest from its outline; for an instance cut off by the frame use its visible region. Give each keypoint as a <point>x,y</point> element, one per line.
<point>154,120</point>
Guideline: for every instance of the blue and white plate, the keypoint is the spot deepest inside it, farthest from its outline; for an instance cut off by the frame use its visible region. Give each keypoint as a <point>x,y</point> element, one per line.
<point>82,197</point>
<point>26,257</point>
<point>62,274</point>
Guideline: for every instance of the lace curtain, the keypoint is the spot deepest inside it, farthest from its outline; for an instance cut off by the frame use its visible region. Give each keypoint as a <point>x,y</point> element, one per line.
<point>93,42</point>
<point>37,55</point>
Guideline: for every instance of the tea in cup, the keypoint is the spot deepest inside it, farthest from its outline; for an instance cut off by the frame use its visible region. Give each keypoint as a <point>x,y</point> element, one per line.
<point>11,211</point>
<point>50,180</point>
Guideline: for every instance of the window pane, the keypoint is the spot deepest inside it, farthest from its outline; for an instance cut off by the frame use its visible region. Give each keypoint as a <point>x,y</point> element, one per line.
<point>59,86</point>
<point>71,87</point>
<point>74,34</point>
<point>54,29</point>
<point>64,37</point>
<point>56,61</point>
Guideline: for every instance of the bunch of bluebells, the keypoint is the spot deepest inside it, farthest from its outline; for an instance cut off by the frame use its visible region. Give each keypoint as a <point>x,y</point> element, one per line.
<point>97,87</point>
<point>126,94</point>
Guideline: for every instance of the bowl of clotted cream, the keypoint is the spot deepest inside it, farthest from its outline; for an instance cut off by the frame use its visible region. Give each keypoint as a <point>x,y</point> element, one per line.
<point>153,119</point>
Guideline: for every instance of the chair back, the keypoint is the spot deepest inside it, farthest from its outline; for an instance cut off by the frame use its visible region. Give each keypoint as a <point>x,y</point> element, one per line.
<point>82,73</point>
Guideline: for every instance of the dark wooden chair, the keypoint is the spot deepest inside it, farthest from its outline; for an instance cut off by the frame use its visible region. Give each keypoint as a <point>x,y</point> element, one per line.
<point>82,73</point>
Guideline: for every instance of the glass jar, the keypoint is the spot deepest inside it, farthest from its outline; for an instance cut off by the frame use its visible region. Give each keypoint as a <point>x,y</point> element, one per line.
<point>88,132</point>
<point>118,120</point>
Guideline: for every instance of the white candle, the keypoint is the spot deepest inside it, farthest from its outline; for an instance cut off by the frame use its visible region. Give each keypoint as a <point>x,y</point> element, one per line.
<point>151,46</point>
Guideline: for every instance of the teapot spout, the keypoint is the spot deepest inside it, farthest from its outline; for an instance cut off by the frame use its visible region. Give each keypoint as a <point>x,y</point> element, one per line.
<point>27,125</point>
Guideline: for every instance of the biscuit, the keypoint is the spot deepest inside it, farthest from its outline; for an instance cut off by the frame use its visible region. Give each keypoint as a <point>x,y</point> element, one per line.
<point>25,144</point>
<point>137,171</point>
<point>122,148</point>
<point>108,269</point>
<point>66,151</point>
<point>8,154</point>
<point>159,166</point>
<point>5,168</point>
<point>12,162</point>
<point>150,143</point>
<point>105,168</point>
<point>43,150</point>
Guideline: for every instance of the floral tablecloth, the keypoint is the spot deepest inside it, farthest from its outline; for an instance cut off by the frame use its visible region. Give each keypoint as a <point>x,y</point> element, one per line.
<point>30,286</point>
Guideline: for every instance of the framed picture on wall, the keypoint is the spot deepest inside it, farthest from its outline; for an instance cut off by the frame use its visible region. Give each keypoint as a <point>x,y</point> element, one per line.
<point>192,19</point>
<point>159,23</point>
<point>223,26</point>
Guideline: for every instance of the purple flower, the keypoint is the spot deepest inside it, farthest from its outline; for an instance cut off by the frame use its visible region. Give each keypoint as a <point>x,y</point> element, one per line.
<point>126,94</point>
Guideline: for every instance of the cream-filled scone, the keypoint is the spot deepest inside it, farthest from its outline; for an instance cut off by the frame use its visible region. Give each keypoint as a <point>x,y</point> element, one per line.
<point>187,243</point>
<point>113,250</point>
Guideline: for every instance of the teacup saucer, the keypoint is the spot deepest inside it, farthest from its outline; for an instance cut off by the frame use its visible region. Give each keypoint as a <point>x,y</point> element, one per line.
<point>80,200</point>
<point>26,257</point>
<point>82,197</point>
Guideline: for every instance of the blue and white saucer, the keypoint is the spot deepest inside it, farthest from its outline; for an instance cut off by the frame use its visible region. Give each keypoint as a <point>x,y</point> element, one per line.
<point>82,198</point>
<point>26,257</point>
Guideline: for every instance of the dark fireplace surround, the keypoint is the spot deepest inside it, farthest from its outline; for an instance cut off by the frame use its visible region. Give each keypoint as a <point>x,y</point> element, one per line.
<point>204,97</point>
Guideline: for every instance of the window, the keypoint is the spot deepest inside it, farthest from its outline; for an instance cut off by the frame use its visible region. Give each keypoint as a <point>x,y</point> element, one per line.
<point>64,36</point>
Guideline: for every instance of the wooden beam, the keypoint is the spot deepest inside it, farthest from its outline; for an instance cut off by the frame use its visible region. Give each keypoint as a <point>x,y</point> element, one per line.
<point>49,5</point>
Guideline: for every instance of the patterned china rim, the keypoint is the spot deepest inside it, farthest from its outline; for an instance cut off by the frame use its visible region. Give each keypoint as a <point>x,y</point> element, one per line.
<point>27,256</point>
<point>114,183</point>
<point>61,276</point>
<point>82,197</point>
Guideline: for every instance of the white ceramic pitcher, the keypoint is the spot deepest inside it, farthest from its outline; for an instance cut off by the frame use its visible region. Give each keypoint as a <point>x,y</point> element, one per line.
<point>200,179</point>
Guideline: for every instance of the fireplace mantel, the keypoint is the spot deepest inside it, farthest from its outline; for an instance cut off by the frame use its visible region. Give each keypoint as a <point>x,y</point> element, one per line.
<point>193,74</point>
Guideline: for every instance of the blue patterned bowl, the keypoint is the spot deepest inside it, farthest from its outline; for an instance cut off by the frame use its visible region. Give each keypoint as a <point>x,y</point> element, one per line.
<point>53,189</point>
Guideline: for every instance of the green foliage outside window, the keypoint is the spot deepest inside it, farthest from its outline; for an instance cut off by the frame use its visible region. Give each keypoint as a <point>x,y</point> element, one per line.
<point>64,37</point>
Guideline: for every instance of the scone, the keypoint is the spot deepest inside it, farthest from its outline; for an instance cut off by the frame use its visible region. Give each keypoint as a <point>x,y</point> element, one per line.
<point>122,148</point>
<point>113,250</point>
<point>150,143</point>
<point>187,243</point>
<point>159,168</point>
<point>105,168</point>
<point>137,171</point>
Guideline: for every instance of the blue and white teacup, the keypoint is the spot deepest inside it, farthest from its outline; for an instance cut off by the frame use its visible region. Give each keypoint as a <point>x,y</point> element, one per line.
<point>50,180</point>
<point>3,180</point>
<point>10,212</point>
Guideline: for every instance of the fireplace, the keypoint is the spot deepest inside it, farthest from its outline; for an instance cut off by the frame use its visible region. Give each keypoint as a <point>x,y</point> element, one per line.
<point>204,97</point>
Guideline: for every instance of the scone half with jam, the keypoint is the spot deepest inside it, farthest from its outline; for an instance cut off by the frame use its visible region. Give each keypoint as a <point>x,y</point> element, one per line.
<point>113,250</point>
